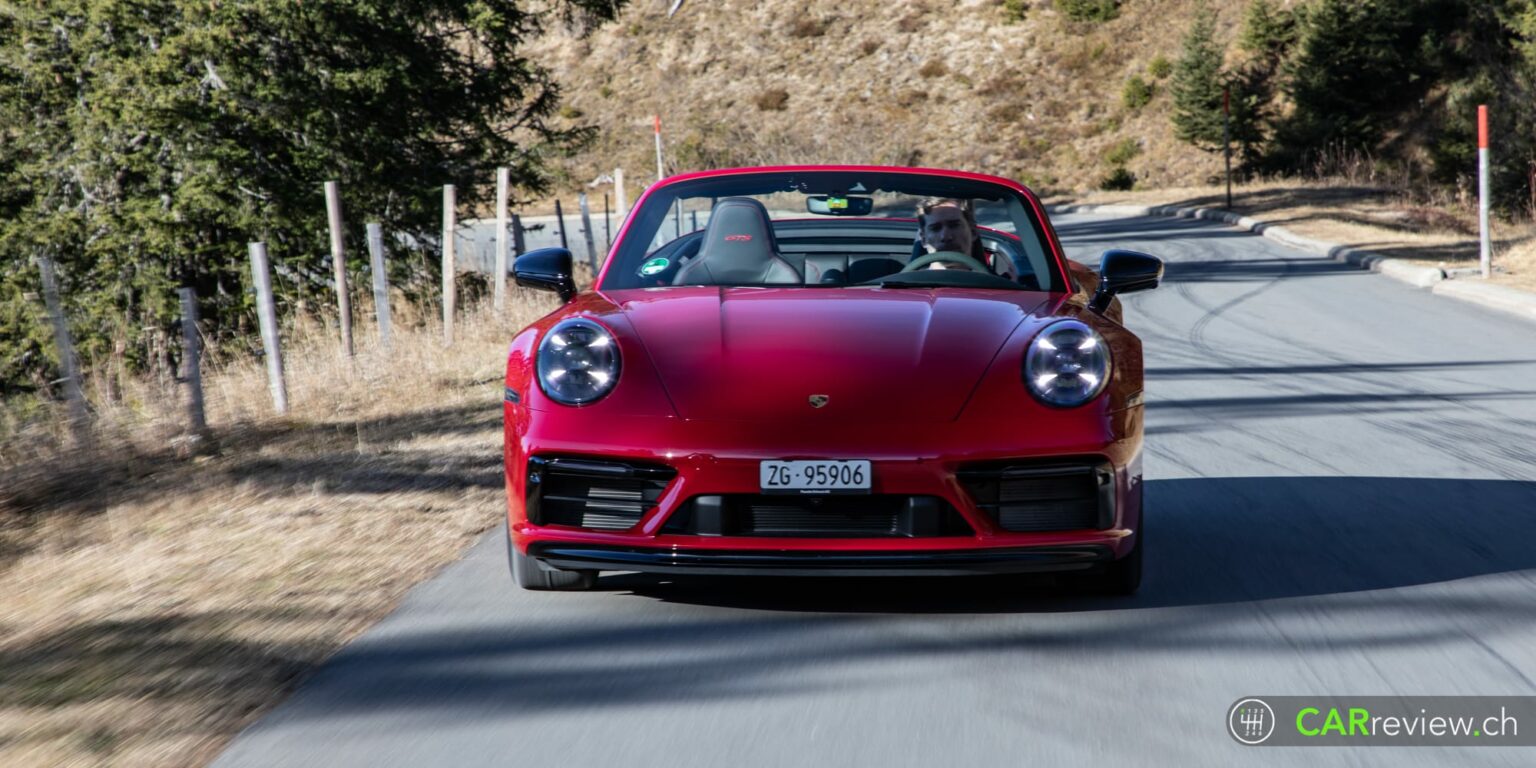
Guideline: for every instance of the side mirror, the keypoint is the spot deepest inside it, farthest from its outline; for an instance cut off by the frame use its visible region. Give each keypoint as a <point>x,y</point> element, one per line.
<point>1125,272</point>
<point>547,269</point>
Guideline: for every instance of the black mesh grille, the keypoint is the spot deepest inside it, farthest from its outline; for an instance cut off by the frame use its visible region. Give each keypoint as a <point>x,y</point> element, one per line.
<point>866,516</point>
<point>1034,498</point>
<point>772,516</point>
<point>602,494</point>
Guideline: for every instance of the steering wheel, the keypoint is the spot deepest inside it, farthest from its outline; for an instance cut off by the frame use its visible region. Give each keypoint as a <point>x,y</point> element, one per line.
<point>953,257</point>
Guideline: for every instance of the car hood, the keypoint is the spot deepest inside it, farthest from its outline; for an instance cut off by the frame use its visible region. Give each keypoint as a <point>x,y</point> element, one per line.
<point>767,354</point>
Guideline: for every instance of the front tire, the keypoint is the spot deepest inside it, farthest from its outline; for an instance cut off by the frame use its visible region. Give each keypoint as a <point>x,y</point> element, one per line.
<point>529,573</point>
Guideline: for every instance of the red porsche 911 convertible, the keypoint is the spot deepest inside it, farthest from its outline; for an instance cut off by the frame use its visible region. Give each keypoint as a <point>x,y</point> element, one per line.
<point>829,370</point>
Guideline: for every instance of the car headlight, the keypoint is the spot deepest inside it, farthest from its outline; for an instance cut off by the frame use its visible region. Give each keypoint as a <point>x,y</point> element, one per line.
<point>578,362</point>
<point>1066,365</point>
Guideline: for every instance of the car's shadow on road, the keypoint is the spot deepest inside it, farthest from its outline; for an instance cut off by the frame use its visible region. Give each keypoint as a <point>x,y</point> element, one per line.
<point>457,653</point>
<point>1210,540</point>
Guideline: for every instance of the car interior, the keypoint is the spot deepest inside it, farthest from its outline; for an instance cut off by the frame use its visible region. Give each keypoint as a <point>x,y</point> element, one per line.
<point>743,245</point>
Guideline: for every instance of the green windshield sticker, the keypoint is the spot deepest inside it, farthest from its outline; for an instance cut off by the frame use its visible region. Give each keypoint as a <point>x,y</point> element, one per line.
<point>654,266</point>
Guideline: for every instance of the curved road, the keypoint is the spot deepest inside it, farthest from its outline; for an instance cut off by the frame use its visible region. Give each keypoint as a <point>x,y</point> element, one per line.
<point>1342,485</point>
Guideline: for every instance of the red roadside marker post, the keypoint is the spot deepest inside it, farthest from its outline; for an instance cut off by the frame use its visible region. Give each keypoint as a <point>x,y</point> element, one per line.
<point>656,128</point>
<point>1482,191</point>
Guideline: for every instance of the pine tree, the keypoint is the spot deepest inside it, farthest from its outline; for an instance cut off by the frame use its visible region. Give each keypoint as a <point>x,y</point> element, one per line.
<point>1267,35</point>
<point>1356,63</point>
<point>1089,10</point>
<point>1505,80</point>
<point>1268,31</point>
<point>1519,18</point>
<point>1198,84</point>
<point>1252,110</point>
<point>144,144</point>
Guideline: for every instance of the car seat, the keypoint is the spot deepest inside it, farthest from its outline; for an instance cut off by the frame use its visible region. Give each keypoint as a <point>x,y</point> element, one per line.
<point>739,249</point>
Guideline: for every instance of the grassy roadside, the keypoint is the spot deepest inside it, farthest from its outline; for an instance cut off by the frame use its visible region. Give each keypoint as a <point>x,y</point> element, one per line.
<point>1376,219</point>
<point>157,602</point>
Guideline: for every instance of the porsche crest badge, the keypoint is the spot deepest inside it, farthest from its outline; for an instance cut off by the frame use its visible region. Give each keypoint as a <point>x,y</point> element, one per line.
<point>818,401</point>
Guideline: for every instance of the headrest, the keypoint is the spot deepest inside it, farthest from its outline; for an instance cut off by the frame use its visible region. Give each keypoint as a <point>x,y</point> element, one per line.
<point>737,226</point>
<point>739,248</point>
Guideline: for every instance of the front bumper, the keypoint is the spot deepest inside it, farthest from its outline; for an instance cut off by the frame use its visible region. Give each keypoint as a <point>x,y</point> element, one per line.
<point>705,461</point>
<point>965,562</point>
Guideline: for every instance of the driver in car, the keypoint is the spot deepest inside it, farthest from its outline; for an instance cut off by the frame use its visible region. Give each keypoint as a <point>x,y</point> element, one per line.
<point>948,224</point>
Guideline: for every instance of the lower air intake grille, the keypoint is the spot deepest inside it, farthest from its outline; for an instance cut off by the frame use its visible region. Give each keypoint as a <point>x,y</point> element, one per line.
<point>848,517</point>
<point>1036,498</point>
<point>767,516</point>
<point>600,494</point>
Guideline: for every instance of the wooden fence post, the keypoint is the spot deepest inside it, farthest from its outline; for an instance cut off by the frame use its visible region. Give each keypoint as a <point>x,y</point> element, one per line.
<point>339,265</point>
<point>503,183</point>
<point>192,358</point>
<point>450,234</point>
<point>266,315</point>
<point>74,395</point>
<point>607,228</point>
<point>380,281</point>
<point>586,229</point>
<point>620,201</point>
<point>560,219</point>
<point>519,247</point>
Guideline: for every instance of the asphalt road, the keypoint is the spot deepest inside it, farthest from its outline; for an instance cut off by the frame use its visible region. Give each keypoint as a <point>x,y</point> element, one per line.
<point>1342,486</point>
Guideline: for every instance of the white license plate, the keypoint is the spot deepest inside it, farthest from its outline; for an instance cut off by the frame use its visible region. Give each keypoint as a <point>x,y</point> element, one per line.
<point>819,476</point>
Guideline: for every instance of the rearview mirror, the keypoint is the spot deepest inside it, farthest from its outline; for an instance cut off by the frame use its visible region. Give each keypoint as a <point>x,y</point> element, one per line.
<point>547,269</point>
<point>1125,272</point>
<point>838,205</point>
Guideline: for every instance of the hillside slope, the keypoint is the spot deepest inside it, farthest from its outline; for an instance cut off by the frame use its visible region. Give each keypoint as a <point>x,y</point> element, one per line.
<point>949,84</point>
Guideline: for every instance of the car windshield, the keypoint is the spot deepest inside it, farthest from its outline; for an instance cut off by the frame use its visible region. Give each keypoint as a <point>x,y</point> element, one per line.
<point>821,229</point>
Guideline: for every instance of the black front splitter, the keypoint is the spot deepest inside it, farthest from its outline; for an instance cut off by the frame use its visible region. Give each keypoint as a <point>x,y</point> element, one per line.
<point>821,563</point>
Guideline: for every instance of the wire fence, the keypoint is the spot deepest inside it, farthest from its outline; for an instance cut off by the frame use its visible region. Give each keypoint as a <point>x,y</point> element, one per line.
<point>482,246</point>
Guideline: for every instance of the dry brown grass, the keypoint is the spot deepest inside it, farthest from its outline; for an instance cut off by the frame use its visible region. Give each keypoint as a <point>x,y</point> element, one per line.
<point>155,605</point>
<point>772,100</point>
<point>953,85</point>
<point>1441,234</point>
<point>809,27</point>
<point>987,87</point>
